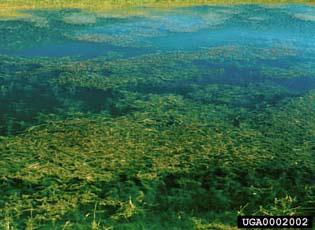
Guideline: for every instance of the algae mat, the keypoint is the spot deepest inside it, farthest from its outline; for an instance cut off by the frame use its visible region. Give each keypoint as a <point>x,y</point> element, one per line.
<point>155,117</point>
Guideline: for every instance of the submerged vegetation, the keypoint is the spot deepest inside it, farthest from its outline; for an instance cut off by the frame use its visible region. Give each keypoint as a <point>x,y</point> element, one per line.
<point>161,151</point>
<point>146,136</point>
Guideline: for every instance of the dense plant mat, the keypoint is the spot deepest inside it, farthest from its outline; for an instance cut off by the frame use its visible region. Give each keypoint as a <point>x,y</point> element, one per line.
<point>190,158</point>
<point>141,135</point>
<point>174,158</point>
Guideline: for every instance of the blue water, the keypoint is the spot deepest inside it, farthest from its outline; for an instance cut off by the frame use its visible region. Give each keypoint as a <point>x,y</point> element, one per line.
<point>162,30</point>
<point>76,49</point>
<point>254,47</point>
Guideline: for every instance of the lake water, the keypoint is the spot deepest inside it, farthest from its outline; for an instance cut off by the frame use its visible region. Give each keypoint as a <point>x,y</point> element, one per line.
<point>88,35</point>
<point>240,45</point>
<point>149,118</point>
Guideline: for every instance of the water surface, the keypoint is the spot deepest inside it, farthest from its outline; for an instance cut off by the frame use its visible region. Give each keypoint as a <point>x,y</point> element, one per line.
<point>178,48</point>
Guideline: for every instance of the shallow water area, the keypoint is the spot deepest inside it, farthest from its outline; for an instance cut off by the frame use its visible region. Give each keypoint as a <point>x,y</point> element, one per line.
<point>189,28</point>
<point>236,45</point>
<point>155,118</point>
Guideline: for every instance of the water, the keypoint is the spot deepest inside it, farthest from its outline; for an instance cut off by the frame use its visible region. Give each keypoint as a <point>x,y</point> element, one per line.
<point>74,34</point>
<point>237,45</point>
<point>147,118</point>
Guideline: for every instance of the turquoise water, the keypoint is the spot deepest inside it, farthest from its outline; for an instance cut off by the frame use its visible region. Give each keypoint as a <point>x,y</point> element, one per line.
<point>241,45</point>
<point>159,30</point>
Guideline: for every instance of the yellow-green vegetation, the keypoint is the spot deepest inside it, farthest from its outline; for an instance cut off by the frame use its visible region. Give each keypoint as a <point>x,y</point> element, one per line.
<point>150,131</point>
<point>12,8</point>
<point>173,158</point>
<point>158,152</point>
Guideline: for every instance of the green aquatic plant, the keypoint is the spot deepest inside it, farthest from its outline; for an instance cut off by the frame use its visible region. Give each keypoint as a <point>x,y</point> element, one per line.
<point>184,139</point>
<point>297,71</point>
<point>171,152</point>
<point>191,74</point>
<point>117,40</point>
